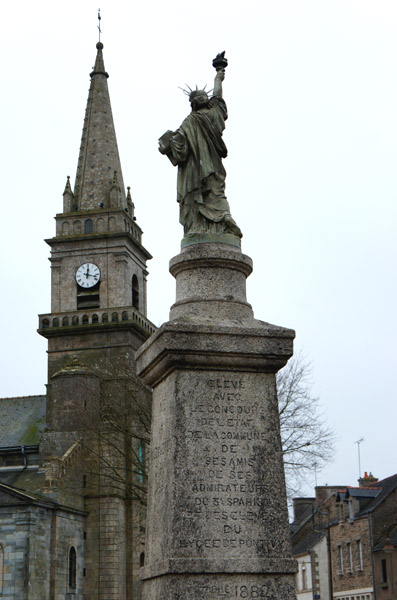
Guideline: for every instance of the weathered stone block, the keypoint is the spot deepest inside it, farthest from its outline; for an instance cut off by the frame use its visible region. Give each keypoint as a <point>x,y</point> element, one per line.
<point>217,523</point>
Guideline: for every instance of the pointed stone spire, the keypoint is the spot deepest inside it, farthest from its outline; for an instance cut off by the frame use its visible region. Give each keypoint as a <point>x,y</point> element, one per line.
<point>99,155</point>
<point>68,197</point>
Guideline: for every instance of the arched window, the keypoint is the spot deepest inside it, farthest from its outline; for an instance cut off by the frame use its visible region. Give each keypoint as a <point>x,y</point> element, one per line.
<point>88,226</point>
<point>115,317</point>
<point>65,322</point>
<point>135,292</point>
<point>72,568</point>
<point>55,322</point>
<point>104,318</point>
<point>124,315</point>
<point>75,320</point>
<point>95,318</point>
<point>45,323</point>
<point>85,319</point>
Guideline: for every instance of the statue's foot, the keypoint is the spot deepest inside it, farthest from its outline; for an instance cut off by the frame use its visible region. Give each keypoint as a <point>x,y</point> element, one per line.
<point>232,226</point>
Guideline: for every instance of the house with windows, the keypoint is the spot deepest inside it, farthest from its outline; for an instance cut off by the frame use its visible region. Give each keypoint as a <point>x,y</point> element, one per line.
<point>364,519</point>
<point>312,578</point>
<point>309,536</point>
<point>358,529</point>
<point>385,565</point>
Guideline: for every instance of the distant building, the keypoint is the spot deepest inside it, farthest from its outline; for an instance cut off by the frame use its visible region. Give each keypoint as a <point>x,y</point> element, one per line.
<point>385,565</point>
<point>359,526</point>
<point>309,534</point>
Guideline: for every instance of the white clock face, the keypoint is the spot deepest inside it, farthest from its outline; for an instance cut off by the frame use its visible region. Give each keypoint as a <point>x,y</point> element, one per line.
<point>88,275</point>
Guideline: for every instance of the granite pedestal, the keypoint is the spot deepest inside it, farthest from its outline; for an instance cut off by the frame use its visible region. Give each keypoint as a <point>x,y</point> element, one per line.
<point>217,522</point>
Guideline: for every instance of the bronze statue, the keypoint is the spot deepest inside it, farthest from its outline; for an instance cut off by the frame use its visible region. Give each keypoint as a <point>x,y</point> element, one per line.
<point>197,148</point>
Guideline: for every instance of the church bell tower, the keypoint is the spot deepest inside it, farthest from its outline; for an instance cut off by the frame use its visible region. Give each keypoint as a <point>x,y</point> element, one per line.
<point>98,262</point>
<point>96,324</point>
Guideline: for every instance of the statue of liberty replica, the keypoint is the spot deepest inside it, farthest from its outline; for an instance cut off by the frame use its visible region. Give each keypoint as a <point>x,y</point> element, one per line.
<point>197,148</point>
<point>217,517</point>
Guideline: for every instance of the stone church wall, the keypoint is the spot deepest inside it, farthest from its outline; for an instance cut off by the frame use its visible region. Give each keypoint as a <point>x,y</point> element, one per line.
<point>33,538</point>
<point>67,531</point>
<point>25,532</point>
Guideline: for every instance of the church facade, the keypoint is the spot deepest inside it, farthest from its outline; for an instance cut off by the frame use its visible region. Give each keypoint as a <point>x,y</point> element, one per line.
<point>72,468</point>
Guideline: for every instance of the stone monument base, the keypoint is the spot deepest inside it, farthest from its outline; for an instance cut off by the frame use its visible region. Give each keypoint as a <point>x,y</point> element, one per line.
<point>221,587</point>
<point>217,523</point>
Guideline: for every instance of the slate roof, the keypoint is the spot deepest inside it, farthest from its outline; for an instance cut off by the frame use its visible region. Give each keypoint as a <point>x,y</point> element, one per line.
<point>19,494</point>
<point>354,492</point>
<point>392,534</point>
<point>30,482</point>
<point>305,514</point>
<point>307,543</point>
<point>370,497</point>
<point>387,486</point>
<point>22,420</point>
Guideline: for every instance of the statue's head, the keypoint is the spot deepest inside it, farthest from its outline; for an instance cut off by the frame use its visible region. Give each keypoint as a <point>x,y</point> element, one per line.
<point>198,99</point>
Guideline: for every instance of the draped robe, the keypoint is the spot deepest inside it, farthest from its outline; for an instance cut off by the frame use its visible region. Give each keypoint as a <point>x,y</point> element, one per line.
<point>197,148</point>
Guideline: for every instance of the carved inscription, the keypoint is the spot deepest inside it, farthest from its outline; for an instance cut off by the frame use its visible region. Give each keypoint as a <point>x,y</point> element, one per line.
<point>225,495</point>
<point>234,591</point>
<point>272,589</point>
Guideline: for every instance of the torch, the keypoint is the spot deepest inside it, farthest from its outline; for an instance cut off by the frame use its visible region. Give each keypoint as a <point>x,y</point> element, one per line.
<point>220,62</point>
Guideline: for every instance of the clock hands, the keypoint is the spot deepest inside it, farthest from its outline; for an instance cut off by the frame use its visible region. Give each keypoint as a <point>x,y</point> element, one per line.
<point>88,274</point>
<point>85,272</point>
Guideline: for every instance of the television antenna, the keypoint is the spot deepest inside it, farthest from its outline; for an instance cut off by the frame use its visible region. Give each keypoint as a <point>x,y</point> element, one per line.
<point>359,461</point>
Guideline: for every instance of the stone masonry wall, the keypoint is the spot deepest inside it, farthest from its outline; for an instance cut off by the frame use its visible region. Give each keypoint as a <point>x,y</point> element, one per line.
<point>36,545</point>
<point>112,575</point>
<point>384,516</point>
<point>14,538</point>
<point>117,260</point>
<point>351,576</point>
<point>39,556</point>
<point>68,530</point>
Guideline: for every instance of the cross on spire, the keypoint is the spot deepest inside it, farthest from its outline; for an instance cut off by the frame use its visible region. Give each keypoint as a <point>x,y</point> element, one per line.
<point>99,23</point>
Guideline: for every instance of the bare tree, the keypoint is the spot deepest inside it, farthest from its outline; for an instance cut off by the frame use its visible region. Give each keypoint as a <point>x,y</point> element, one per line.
<point>308,441</point>
<point>108,436</point>
<point>116,430</point>
<point>117,436</point>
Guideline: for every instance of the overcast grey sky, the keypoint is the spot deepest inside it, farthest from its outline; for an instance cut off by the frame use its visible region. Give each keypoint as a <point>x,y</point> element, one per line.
<point>312,130</point>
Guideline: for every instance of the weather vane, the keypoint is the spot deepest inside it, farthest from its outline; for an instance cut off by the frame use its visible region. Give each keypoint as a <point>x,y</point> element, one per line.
<point>99,23</point>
